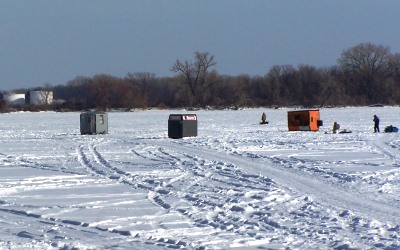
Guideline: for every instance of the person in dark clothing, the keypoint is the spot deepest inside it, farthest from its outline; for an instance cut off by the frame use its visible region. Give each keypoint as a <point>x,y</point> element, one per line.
<point>376,124</point>
<point>263,117</point>
<point>335,128</point>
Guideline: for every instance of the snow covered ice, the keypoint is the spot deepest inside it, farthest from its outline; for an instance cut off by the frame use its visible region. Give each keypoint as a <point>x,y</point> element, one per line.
<point>237,184</point>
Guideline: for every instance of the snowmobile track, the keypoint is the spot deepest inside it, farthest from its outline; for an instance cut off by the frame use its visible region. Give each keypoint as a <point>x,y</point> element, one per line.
<point>337,198</point>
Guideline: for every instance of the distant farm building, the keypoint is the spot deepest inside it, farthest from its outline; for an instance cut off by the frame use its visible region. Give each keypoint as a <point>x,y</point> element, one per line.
<point>14,99</point>
<point>39,97</point>
<point>304,120</point>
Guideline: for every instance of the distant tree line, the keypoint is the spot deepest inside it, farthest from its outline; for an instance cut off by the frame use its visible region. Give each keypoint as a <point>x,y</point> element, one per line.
<point>365,74</point>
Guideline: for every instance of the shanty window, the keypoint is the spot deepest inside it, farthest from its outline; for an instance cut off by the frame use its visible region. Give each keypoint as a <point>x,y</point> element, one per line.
<point>101,119</point>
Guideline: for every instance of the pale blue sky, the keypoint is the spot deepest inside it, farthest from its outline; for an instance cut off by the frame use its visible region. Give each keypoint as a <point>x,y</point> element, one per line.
<point>53,41</point>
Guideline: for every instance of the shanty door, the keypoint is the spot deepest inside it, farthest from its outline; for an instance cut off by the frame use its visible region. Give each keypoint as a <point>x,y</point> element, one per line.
<point>92,122</point>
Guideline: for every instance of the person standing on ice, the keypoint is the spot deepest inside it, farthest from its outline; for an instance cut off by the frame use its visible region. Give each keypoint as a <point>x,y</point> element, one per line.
<point>376,124</point>
<point>263,118</point>
<point>335,128</point>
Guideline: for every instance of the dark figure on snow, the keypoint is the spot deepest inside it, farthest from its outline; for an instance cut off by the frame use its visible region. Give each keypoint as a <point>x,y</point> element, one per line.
<point>263,117</point>
<point>376,124</point>
<point>335,128</point>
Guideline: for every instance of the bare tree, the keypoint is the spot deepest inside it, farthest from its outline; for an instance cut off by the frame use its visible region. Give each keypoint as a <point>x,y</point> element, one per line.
<point>394,65</point>
<point>367,65</point>
<point>141,76</point>
<point>140,82</point>
<point>367,59</point>
<point>100,88</point>
<point>48,93</point>
<point>197,75</point>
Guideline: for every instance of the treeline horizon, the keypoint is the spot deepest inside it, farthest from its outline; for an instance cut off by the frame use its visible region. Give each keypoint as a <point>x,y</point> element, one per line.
<point>365,74</point>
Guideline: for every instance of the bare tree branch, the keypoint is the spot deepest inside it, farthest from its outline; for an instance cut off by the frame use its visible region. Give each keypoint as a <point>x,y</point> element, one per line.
<point>197,75</point>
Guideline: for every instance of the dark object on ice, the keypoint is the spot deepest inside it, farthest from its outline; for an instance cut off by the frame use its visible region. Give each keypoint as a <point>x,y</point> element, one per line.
<point>335,128</point>
<point>264,118</point>
<point>94,122</point>
<point>344,131</point>
<point>304,120</point>
<point>376,124</point>
<point>391,129</point>
<point>377,105</point>
<point>182,125</point>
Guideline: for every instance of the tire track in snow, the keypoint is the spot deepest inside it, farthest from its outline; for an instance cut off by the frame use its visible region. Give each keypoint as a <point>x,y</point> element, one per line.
<point>372,183</point>
<point>202,203</point>
<point>102,167</point>
<point>98,164</point>
<point>235,214</point>
<point>31,164</point>
<point>330,210</point>
<point>150,154</point>
<point>55,229</point>
<point>247,214</point>
<point>382,144</point>
<point>299,182</point>
<point>388,181</point>
<point>194,176</point>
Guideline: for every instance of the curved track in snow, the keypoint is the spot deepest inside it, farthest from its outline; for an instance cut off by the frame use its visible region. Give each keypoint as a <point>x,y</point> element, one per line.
<point>263,188</point>
<point>301,182</point>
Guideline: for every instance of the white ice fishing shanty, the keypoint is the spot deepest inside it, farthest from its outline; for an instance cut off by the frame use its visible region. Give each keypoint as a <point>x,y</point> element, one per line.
<point>94,122</point>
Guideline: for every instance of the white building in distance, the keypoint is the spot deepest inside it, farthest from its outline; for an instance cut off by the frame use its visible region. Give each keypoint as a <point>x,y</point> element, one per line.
<point>14,99</point>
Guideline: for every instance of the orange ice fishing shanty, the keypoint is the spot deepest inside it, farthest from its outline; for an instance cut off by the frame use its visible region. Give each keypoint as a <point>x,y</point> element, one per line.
<point>304,120</point>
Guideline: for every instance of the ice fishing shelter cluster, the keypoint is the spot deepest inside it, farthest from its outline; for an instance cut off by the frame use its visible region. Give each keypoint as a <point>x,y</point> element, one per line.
<point>94,122</point>
<point>304,120</point>
<point>185,125</point>
<point>182,125</point>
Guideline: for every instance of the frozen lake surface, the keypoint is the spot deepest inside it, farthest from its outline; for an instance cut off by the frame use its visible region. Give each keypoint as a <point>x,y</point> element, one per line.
<point>237,184</point>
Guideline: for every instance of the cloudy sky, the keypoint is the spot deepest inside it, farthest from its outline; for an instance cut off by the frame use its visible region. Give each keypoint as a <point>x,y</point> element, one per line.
<point>53,41</point>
